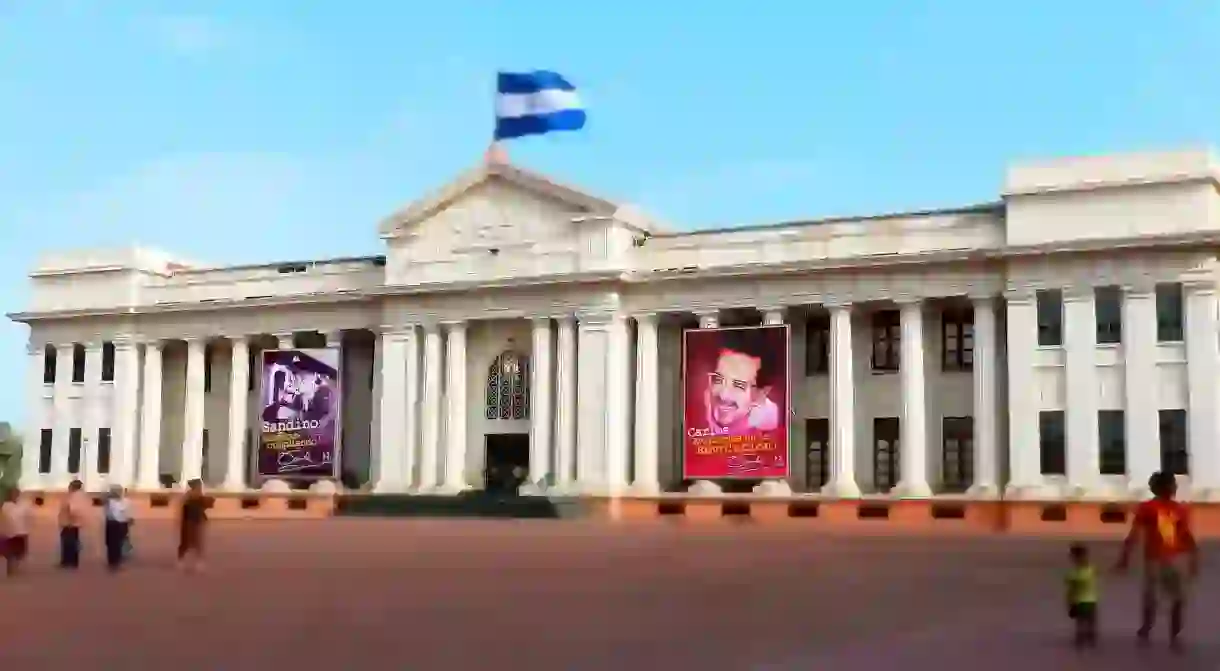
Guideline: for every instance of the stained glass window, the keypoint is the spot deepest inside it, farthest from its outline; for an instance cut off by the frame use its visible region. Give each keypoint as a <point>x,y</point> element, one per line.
<point>508,389</point>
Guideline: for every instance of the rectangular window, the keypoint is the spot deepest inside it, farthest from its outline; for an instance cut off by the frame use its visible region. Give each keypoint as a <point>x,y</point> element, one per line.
<point>887,340</point>
<point>1174,455</point>
<point>1169,312</point>
<point>253,379</point>
<point>207,369</point>
<point>1050,318</point>
<point>203,464</point>
<point>1108,308</point>
<point>74,449</point>
<point>107,362</point>
<point>817,345</point>
<point>958,453</point>
<point>817,437</point>
<point>957,339</point>
<point>45,445</point>
<point>103,451</point>
<point>1051,442</point>
<point>1112,442</point>
<point>48,364</point>
<point>886,453</point>
<point>78,363</point>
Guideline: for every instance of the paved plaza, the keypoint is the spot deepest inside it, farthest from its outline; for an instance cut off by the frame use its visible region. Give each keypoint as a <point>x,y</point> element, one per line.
<point>571,596</point>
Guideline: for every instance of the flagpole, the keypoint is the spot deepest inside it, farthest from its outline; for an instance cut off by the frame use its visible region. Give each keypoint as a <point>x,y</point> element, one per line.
<point>495,154</point>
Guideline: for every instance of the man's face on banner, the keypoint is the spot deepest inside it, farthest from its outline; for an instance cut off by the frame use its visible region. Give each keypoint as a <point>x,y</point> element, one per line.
<point>290,390</point>
<point>733,389</point>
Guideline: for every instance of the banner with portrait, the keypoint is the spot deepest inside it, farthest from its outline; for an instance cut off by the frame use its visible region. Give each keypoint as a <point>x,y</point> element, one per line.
<point>735,392</point>
<point>299,426</point>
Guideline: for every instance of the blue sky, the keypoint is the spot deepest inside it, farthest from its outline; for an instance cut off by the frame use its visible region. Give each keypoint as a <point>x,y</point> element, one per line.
<point>239,131</point>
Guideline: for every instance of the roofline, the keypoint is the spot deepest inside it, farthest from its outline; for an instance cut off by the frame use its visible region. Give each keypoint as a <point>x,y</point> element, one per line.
<point>982,208</point>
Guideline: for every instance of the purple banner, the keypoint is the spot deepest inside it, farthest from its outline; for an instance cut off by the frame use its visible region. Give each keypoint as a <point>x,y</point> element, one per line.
<point>299,431</point>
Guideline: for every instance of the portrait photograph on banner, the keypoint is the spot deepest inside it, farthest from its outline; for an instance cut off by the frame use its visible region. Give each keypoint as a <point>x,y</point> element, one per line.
<point>735,403</point>
<point>299,424</point>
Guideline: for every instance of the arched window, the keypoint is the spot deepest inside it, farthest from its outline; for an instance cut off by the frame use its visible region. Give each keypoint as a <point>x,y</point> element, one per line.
<point>508,387</point>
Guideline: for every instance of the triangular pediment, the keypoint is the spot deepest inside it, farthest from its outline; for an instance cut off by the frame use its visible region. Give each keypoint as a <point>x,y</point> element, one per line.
<point>498,188</point>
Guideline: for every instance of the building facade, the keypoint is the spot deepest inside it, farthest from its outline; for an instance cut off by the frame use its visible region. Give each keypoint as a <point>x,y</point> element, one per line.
<point>1060,343</point>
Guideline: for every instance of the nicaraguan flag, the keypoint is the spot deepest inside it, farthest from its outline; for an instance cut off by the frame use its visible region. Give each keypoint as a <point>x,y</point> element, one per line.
<point>535,103</point>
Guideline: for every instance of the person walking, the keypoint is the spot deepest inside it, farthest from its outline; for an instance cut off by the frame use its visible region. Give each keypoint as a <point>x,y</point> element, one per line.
<point>192,520</point>
<point>71,518</point>
<point>117,512</point>
<point>15,530</point>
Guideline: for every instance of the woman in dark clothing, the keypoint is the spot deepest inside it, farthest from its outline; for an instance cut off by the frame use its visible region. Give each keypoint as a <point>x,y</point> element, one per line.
<point>192,520</point>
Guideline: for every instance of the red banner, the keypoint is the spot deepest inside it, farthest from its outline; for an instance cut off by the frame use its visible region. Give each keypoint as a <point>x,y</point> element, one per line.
<point>735,403</point>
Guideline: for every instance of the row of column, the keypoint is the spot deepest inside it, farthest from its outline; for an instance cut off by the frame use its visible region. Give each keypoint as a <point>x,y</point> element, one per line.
<point>136,432</point>
<point>1139,352</point>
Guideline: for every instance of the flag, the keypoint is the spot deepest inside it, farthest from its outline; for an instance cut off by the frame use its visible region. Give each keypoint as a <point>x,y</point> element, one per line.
<point>536,103</point>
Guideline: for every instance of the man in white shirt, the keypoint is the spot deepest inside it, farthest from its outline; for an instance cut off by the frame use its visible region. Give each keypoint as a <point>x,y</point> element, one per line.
<point>117,512</point>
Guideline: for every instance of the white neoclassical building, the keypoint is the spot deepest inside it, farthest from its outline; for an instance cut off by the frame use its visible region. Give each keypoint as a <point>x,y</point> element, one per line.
<point>1059,342</point>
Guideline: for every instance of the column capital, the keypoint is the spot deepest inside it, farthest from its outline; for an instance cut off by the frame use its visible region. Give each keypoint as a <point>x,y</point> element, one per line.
<point>567,319</point>
<point>773,315</point>
<point>334,337</point>
<point>1141,287</point>
<point>155,343</point>
<point>983,297</point>
<point>1078,293</point>
<point>541,322</point>
<point>1199,287</point>
<point>647,317</point>
<point>454,324</point>
<point>833,303</point>
<point>1020,295</point>
<point>908,300</point>
<point>65,346</point>
<point>94,345</point>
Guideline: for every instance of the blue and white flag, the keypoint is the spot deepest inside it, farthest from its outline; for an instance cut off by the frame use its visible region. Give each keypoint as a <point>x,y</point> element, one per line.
<point>535,103</point>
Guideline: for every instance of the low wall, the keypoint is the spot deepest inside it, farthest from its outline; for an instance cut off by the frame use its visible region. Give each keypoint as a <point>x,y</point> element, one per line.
<point>867,515</point>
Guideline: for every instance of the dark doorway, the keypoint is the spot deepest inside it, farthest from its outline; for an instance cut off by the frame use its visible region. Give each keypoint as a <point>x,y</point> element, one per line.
<point>508,462</point>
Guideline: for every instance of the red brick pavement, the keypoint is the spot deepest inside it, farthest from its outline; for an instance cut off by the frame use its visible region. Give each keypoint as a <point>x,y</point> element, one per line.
<point>571,596</point>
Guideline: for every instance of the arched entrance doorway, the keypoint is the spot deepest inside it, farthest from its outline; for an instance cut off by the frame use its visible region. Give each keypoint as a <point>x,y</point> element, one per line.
<point>507,404</point>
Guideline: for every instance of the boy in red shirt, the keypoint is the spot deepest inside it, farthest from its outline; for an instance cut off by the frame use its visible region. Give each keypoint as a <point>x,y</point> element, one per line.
<point>1171,557</point>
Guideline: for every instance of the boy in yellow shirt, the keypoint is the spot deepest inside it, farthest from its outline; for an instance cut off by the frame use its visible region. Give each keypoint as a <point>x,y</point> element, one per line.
<point>1082,596</point>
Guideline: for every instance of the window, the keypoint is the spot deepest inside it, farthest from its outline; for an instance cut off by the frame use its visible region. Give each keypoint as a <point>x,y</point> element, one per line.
<point>1051,442</point>
<point>887,343</point>
<point>44,451</point>
<point>957,339</point>
<point>48,364</point>
<point>107,362</point>
<point>207,369</point>
<point>1050,318</point>
<point>1169,312</point>
<point>886,453</point>
<point>817,345</point>
<point>252,378</point>
<point>1112,442</point>
<point>508,387</point>
<point>74,450</point>
<point>957,433</point>
<point>1174,455</point>
<point>103,451</point>
<point>1108,308</point>
<point>78,363</point>
<point>203,463</point>
<point>817,436</point>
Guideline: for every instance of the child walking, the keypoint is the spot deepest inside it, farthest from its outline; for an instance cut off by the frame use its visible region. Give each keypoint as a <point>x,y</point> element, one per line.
<point>15,531</point>
<point>1082,596</point>
<point>1171,557</point>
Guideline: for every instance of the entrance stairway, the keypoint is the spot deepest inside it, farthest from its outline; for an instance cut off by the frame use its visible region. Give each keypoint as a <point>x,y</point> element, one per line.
<point>466,505</point>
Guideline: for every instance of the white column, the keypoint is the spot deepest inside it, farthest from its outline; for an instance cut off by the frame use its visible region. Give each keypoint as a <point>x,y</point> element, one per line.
<point>1024,460</point>
<point>1141,414</point>
<point>565,417</point>
<point>618,404</point>
<point>149,463</point>
<point>430,421</point>
<point>91,420</point>
<point>647,408</point>
<point>31,438</point>
<point>914,426</point>
<point>455,404</point>
<point>1202,372</point>
<point>707,320</point>
<point>64,421</point>
<point>542,419</point>
<point>842,406</point>
<point>239,404</point>
<point>125,432</point>
<point>1080,353</point>
<point>593,349</point>
<point>986,427</point>
<point>193,419</point>
<point>410,444</point>
<point>390,474</point>
<point>780,486</point>
<point>286,339</point>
